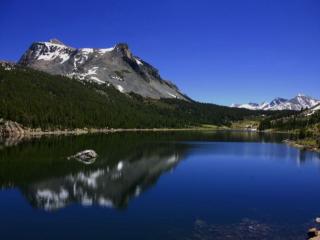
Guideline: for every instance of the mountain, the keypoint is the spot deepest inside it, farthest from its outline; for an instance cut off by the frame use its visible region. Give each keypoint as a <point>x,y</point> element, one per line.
<point>297,103</point>
<point>116,66</point>
<point>305,123</point>
<point>312,110</point>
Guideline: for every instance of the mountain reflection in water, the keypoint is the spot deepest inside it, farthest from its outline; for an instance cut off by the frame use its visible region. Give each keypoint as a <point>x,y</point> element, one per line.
<point>123,170</point>
<point>127,165</point>
<point>107,187</point>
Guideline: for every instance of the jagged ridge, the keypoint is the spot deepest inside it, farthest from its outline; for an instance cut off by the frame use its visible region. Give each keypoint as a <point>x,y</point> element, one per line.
<point>297,103</point>
<point>116,66</point>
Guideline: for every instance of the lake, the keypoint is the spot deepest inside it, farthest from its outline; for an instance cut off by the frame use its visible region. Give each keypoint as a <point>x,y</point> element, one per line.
<point>171,185</point>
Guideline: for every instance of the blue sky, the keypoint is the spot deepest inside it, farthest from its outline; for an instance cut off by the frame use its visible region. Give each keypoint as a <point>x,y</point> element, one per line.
<point>222,51</point>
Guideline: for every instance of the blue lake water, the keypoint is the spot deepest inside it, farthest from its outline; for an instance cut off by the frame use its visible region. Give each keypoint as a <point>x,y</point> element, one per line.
<point>193,185</point>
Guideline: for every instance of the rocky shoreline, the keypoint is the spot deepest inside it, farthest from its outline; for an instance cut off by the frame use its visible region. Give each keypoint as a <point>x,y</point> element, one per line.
<point>304,145</point>
<point>314,232</point>
<point>11,129</point>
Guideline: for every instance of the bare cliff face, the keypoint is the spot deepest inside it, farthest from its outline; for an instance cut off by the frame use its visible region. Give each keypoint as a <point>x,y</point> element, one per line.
<point>116,66</point>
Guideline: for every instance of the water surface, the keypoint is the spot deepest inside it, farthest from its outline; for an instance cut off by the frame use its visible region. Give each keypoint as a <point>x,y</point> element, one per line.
<point>192,185</point>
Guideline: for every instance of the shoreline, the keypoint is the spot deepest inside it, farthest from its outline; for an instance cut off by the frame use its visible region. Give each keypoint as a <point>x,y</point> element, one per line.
<point>11,129</point>
<point>113,130</point>
<point>19,131</point>
<point>301,146</point>
<point>30,133</point>
<point>25,134</point>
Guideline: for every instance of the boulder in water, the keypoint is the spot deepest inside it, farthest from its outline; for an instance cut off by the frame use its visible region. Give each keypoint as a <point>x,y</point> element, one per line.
<point>313,234</point>
<point>86,156</point>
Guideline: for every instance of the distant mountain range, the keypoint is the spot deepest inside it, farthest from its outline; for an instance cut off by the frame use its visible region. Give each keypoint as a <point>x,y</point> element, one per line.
<point>297,103</point>
<point>116,66</point>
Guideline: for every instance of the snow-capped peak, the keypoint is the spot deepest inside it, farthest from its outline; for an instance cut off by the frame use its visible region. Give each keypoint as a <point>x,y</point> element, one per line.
<point>57,51</point>
<point>55,44</point>
<point>48,51</point>
<point>304,101</point>
<point>115,66</point>
<point>301,101</point>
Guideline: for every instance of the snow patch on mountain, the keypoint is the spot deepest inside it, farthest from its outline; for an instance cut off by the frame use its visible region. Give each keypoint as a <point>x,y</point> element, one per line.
<point>52,52</point>
<point>105,50</point>
<point>97,80</point>
<point>86,50</point>
<point>312,110</point>
<point>120,88</point>
<point>138,61</point>
<point>87,75</point>
<point>172,95</point>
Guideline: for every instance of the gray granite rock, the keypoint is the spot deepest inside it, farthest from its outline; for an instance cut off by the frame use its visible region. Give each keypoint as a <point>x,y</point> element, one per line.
<point>115,66</point>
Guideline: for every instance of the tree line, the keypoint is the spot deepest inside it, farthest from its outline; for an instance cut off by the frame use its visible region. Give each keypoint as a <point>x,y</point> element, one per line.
<point>40,100</point>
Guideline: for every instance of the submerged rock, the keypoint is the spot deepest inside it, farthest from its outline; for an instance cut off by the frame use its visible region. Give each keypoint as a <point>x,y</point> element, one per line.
<point>86,156</point>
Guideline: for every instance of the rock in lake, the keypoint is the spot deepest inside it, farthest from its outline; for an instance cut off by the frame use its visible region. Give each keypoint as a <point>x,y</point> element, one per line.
<point>86,156</point>
<point>313,234</point>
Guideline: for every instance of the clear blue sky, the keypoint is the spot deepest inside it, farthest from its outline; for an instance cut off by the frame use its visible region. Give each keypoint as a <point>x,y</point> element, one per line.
<point>216,51</point>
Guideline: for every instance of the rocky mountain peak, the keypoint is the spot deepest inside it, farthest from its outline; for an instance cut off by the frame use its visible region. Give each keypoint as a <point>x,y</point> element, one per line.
<point>277,101</point>
<point>124,50</point>
<point>116,66</point>
<point>56,41</point>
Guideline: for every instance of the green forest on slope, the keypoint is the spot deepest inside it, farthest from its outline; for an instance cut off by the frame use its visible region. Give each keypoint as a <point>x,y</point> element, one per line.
<point>37,99</point>
<point>303,125</point>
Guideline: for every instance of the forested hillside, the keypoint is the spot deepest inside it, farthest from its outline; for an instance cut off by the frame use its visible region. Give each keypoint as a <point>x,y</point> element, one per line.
<point>37,99</point>
<point>292,122</point>
<point>306,127</point>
